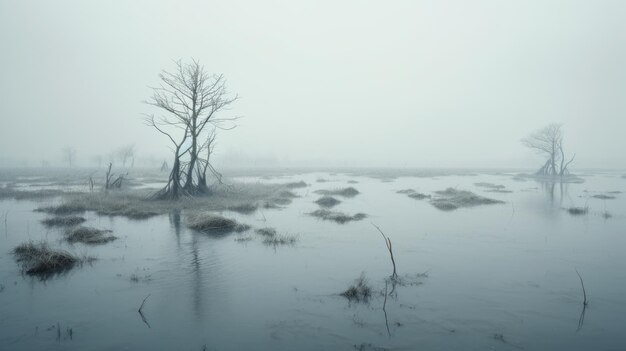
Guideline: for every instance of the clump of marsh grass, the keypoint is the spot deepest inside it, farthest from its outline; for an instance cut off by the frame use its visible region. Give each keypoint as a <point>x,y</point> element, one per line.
<point>418,196</point>
<point>606,215</point>
<point>63,209</point>
<point>413,194</point>
<point>286,194</point>
<point>212,223</point>
<point>266,231</point>
<point>280,239</point>
<point>327,201</point>
<point>39,259</point>
<point>89,235</point>
<point>338,217</point>
<point>452,199</point>
<point>294,185</point>
<point>345,192</point>
<point>243,239</point>
<point>578,211</point>
<point>245,208</point>
<point>360,291</point>
<point>63,221</point>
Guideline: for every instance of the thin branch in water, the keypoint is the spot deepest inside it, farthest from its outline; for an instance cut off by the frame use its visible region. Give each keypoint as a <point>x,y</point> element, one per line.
<point>394,275</point>
<point>140,311</point>
<point>385,310</point>
<point>582,284</point>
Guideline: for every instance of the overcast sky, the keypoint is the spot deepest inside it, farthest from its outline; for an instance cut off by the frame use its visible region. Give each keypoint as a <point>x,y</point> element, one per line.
<point>355,83</point>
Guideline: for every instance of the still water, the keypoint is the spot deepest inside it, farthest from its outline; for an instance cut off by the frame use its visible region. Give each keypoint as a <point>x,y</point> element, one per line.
<point>500,277</point>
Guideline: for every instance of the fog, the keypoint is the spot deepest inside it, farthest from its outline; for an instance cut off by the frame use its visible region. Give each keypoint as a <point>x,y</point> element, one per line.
<point>324,83</point>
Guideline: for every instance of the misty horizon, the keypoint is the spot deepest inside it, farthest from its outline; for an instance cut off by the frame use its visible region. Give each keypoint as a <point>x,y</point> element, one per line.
<point>426,84</point>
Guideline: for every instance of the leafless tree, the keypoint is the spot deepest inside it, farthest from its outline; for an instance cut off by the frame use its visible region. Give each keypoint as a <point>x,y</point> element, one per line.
<point>190,99</point>
<point>69,155</point>
<point>548,141</point>
<point>126,153</point>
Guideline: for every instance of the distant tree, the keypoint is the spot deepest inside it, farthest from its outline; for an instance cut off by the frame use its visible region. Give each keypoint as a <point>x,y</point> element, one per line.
<point>191,100</point>
<point>126,153</point>
<point>548,141</point>
<point>69,155</point>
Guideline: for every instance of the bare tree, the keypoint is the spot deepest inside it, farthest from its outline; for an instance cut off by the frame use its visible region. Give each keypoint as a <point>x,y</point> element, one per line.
<point>69,155</point>
<point>548,141</point>
<point>126,153</point>
<point>191,100</point>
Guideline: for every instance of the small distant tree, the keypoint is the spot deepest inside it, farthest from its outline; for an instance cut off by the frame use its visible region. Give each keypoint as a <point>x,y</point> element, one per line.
<point>191,101</point>
<point>126,153</point>
<point>548,141</point>
<point>69,155</point>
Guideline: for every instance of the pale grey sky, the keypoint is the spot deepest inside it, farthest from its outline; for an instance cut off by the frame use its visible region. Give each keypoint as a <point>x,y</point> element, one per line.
<point>385,83</point>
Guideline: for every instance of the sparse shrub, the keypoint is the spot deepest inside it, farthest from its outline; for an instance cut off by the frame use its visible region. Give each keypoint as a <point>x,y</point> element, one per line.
<point>360,291</point>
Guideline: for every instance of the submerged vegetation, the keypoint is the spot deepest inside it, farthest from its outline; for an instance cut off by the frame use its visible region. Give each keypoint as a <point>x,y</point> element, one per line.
<point>413,194</point>
<point>39,259</point>
<point>338,217</point>
<point>327,201</point>
<point>452,199</point>
<point>360,291</point>
<point>89,235</point>
<point>578,211</point>
<point>212,223</point>
<point>63,221</point>
<point>345,192</point>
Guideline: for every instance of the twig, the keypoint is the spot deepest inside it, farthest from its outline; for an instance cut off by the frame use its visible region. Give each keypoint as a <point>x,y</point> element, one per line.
<point>143,318</point>
<point>385,310</point>
<point>394,275</point>
<point>585,302</point>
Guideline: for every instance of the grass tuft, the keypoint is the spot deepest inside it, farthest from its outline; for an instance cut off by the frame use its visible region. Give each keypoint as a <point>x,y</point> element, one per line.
<point>40,260</point>
<point>345,192</point>
<point>338,217</point>
<point>89,235</point>
<point>64,221</point>
<point>214,224</point>
<point>360,291</point>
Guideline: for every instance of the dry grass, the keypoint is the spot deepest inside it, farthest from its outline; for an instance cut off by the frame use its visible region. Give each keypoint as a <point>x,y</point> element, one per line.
<point>489,185</point>
<point>327,201</point>
<point>345,192</point>
<point>39,259</point>
<point>63,221</point>
<point>89,235</point>
<point>214,224</point>
<point>452,199</point>
<point>338,217</point>
<point>360,291</point>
